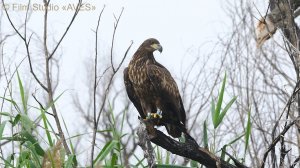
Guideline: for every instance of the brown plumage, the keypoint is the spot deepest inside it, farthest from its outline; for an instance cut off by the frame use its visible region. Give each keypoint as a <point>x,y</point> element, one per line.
<point>151,88</point>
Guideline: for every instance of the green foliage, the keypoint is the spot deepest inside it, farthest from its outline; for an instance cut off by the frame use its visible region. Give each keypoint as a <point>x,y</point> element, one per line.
<point>32,143</point>
<point>29,151</point>
<point>217,115</point>
<point>69,162</point>
<point>194,163</point>
<point>109,146</point>
<point>110,153</point>
<point>216,111</point>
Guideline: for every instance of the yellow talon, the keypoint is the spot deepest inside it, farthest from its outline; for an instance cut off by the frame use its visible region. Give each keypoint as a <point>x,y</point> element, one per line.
<point>153,116</point>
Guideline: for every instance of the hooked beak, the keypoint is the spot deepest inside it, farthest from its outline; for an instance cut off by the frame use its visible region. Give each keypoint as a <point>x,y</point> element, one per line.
<point>157,47</point>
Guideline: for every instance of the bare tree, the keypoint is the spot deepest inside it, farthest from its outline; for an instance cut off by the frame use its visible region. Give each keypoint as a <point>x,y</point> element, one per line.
<point>26,38</point>
<point>264,80</point>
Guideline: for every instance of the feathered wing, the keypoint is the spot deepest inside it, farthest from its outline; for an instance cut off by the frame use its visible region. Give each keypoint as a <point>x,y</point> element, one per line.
<point>131,93</point>
<point>171,103</point>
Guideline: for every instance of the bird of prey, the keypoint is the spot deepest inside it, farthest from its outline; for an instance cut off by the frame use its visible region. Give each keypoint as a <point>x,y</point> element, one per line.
<point>152,89</point>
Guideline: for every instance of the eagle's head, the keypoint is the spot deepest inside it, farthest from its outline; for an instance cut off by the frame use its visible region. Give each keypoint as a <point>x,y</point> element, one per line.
<point>151,45</point>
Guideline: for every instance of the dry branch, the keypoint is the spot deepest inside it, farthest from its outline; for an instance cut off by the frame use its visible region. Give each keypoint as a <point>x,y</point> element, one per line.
<point>189,149</point>
<point>145,144</point>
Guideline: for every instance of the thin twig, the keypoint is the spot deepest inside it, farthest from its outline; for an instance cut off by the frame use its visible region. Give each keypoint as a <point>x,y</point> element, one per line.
<point>41,106</point>
<point>26,46</point>
<point>113,39</point>
<point>79,4</point>
<point>276,140</point>
<point>296,161</point>
<point>95,80</point>
<point>283,152</point>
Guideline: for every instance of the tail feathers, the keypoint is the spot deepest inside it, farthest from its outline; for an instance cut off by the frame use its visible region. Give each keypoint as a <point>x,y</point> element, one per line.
<point>175,130</point>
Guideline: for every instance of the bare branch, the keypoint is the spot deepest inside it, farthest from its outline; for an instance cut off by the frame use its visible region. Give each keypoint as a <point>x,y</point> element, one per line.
<point>79,4</point>
<point>191,150</point>
<point>277,139</point>
<point>95,79</point>
<point>113,39</point>
<point>26,46</point>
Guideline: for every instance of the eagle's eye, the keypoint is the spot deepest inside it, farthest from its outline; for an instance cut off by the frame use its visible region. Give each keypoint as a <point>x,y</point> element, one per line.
<point>156,46</point>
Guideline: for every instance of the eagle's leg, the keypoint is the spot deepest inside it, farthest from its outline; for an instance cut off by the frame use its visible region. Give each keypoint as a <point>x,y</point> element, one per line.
<point>149,123</point>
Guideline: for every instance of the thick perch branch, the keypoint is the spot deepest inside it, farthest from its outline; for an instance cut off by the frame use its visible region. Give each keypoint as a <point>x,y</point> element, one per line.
<point>190,149</point>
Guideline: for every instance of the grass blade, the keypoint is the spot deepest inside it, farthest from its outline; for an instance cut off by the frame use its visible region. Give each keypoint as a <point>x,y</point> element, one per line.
<point>8,161</point>
<point>68,163</point>
<point>236,139</point>
<point>5,114</point>
<point>39,150</point>
<point>12,102</point>
<point>2,126</point>
<point>205,137</point>
<point>220,119</point>
<point>168,158</point>
<point>248,132</point>
<point>106,150</point>
<point>16,120</point>
<point>233,141</point>
<point>213,112</point>
<point>35,153</point>
<point>223,150</point>
<point>107,130</point>
<point>158,156</point>
<point>22,93</point>
<point>51,103</point>
<point>123,119</point>
<point>114,160</point>
<point>220,100</point>
<point>44,118</point>
<point>26,123</point>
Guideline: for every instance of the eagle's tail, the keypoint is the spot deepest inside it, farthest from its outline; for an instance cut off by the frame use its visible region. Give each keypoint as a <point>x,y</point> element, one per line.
<point>174,130</point>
